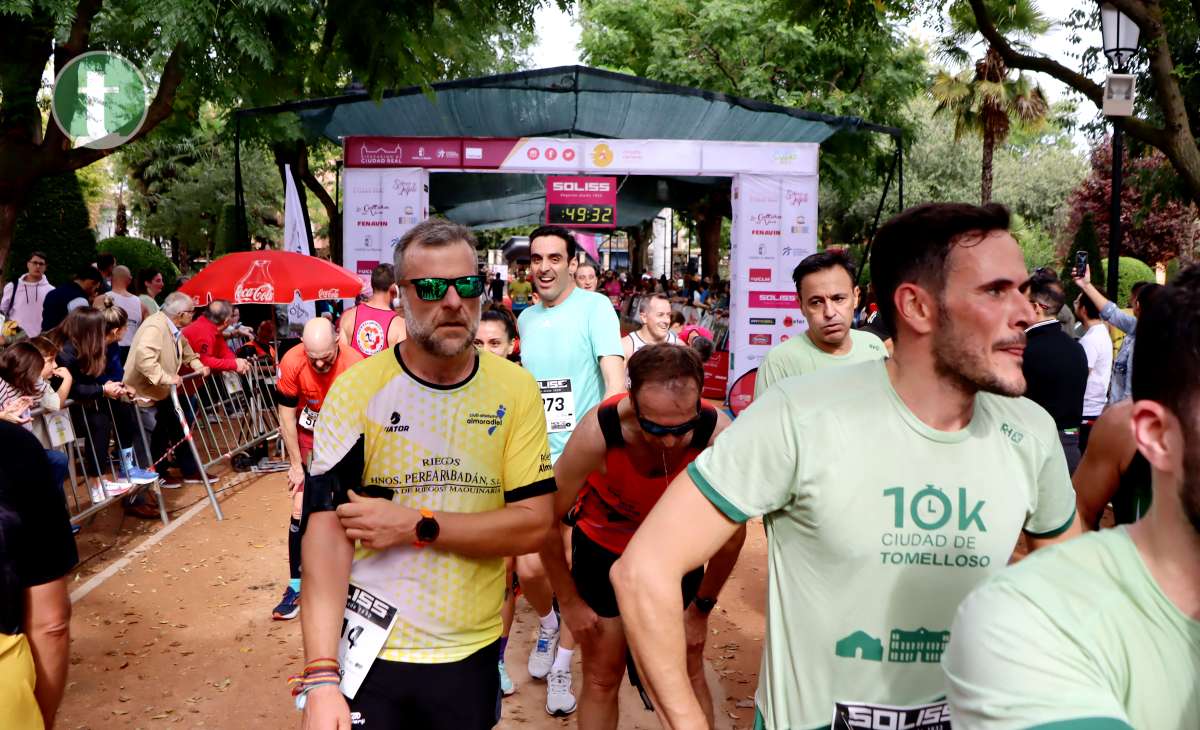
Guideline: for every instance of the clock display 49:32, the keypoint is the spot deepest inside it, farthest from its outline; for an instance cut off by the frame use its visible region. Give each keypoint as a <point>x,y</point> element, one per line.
<point>583,215</point>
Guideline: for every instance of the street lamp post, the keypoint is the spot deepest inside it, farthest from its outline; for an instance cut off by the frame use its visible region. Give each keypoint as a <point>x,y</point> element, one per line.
<point>1120,44</point>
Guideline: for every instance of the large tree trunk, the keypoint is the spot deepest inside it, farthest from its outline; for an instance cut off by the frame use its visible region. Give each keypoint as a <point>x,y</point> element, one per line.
<point>637,252</point>
<point>295,153</point>
<point>985,182</point>
<point>8,225</point>
<point>26,153</point>
<point>1174,137</point>
<point>709,233</point>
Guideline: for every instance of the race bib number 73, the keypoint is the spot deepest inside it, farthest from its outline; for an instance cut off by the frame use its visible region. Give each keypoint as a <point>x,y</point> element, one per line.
<point>558,401</point>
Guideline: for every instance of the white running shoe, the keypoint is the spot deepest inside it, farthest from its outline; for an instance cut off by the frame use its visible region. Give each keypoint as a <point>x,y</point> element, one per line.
<point>560,701</point>
<point>544,649</point>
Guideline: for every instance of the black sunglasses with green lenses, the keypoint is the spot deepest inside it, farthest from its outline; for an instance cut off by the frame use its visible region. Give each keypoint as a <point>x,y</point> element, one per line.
<point>434,288</point>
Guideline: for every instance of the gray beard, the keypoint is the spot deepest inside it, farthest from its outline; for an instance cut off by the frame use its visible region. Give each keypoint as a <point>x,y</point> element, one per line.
<point>425,338</point>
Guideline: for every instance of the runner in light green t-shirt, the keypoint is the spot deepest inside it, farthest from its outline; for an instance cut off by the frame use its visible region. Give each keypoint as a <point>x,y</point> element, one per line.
<point>870,556</point>
<point>827,294</point>
<point>1103,633</point>
<point>870,550</point>
<point>799,356</point>
<point>1079,638</point>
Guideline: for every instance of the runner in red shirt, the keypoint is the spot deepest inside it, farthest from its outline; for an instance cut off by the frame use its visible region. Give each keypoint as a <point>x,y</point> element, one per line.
<point>616,465</point>
<point>372,326</point>
<point>305,375</point>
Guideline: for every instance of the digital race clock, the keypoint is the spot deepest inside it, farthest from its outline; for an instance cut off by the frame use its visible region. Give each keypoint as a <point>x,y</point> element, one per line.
<point>581,202</point>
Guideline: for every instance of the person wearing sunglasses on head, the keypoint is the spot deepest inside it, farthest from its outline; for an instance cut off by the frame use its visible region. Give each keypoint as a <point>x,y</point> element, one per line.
<point>616,465</point>
<point>430,465</point>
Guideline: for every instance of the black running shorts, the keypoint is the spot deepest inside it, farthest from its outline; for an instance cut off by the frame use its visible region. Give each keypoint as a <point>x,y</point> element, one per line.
<point>462,695</point>
<point>590,564</point>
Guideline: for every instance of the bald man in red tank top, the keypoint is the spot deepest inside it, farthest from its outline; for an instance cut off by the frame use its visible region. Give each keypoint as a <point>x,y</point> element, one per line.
<point>373,326</point>
<point>616,465</point>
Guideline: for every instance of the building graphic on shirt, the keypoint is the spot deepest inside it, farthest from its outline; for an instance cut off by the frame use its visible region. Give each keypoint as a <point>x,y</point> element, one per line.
<point>921,645</point>
<point>860,644</point>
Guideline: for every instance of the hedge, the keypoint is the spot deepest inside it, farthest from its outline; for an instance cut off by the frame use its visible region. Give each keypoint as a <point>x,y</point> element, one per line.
<point>55,222</point>
<point>138,254</point>
<point>1129,272</point>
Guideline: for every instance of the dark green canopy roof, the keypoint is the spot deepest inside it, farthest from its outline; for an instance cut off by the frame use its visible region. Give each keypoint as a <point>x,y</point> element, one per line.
<point>568,101</point>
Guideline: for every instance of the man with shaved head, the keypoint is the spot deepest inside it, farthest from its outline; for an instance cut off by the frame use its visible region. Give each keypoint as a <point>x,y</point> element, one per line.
<point>305,374</point>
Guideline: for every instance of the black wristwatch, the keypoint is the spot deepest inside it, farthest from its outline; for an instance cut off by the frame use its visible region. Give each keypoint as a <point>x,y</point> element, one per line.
<point>427,529</point>
<point>704,605</point>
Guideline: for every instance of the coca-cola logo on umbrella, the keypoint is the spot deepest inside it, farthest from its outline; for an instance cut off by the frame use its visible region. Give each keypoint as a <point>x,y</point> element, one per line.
<point>255,287</point>
<point>328,294</point>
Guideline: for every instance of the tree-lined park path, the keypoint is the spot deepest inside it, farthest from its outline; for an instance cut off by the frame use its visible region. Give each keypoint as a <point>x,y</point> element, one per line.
<point>175,629</point>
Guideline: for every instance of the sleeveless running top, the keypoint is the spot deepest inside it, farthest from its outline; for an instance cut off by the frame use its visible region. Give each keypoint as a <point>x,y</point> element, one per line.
<point>1132,500</point>
<point>613,505</point>
<point>370,329</point>
<point>639,343</point>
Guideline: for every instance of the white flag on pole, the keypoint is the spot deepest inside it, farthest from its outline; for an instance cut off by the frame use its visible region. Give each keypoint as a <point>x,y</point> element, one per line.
<point>295,239</point>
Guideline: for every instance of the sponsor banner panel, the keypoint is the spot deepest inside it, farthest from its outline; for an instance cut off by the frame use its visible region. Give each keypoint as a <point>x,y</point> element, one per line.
<point>379,206</point>
<point>774,228</point>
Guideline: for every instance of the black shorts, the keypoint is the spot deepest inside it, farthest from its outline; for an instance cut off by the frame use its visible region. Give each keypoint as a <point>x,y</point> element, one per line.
<point>590,564</point>
<point>462,695</point>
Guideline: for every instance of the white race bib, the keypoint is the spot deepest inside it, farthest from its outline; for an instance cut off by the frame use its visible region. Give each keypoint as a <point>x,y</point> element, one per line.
<point>869,716</point>
<point>365,628</point>
<point>233,383</point>
<point>558,401</point>
<point>59,428</point>
<point>308,419</point>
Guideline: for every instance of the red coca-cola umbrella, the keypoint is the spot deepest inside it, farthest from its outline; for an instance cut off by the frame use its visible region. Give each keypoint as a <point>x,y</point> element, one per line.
<point>271,277</point>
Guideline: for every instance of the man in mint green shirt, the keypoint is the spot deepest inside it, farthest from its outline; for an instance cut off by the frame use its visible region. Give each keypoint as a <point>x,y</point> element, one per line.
<point>571,342</point>
<point>1103,633</point>
<point>828,296</point>
<point>869,553</point>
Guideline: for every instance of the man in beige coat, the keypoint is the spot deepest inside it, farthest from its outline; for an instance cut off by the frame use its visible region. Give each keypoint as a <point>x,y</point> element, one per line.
<point>155,356</point>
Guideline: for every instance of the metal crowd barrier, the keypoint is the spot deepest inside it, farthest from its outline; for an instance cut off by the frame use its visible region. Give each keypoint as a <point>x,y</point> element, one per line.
<point>103,440</point>
<point>233,414</point>
<point>69,431</point>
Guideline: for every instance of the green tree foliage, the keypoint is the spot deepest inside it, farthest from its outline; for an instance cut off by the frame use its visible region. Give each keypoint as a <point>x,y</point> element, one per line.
<point>984,99</point>
<point>836,58</point>
<point>182,187</point>
<point>1129,272</point>
<point>56,223</point>
<point>138,254</point>
<point>1036,244</point>
<point>1034,175</point>
<point>1155,226</point>
<point>251,52</point>
<point>1085,240</point>
<point>1168,64</point>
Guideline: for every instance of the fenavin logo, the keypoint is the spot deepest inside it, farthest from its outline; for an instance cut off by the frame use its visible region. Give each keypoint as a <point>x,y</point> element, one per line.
<point>100,100</point>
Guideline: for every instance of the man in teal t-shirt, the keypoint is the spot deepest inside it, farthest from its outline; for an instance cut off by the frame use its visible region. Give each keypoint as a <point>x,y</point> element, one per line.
<point>571,342</point>
<point>1103,633</point>
<point>869,553</point>
<point>828,297</point>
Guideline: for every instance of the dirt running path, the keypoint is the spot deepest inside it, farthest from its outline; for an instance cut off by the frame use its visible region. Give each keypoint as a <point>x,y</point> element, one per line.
<point>183,637</point>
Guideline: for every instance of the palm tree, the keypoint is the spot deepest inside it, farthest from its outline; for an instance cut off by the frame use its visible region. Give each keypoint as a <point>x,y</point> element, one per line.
<point>986,100</point>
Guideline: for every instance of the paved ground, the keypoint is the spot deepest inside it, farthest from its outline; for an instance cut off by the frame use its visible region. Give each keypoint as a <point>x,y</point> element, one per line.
<point>181,635</point>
